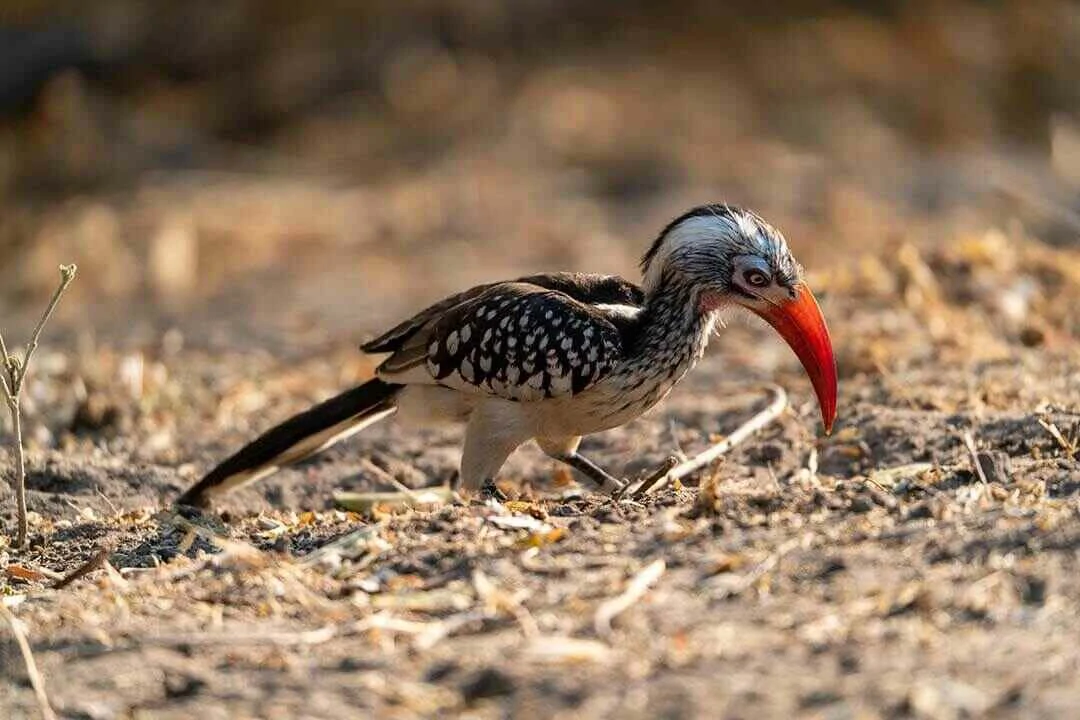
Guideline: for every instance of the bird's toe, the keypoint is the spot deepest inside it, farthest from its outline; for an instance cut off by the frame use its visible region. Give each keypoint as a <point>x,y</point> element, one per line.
<point>490,491</point>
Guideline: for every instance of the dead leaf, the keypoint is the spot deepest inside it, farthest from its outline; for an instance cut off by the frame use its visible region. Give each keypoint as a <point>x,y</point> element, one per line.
<point>542,538</point>
<point>726,562</point>
<point>20,572</point>
<point>526,508</point>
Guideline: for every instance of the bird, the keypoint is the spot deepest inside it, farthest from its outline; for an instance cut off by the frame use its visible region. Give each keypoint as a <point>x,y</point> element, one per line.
<point>557,356</point>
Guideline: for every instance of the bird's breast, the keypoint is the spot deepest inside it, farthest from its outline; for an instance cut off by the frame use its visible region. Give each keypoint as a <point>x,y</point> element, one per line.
<point>628,392</point>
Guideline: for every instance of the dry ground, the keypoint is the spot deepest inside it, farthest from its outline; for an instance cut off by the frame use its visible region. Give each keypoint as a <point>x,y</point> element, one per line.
<point>871,573</point>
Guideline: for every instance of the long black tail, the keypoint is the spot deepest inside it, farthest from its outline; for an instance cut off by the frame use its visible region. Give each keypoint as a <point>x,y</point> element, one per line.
<point>297,438</point>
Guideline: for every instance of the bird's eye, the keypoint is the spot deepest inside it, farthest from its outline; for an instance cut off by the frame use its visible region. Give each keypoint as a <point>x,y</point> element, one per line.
<point>756,278</point>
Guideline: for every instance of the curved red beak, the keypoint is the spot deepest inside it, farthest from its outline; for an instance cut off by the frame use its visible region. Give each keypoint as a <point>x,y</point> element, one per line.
<point>800,322</point>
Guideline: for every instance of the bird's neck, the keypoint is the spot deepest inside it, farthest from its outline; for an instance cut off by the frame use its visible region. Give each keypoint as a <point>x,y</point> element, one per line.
<point>669,339</point>
<point>673,323</point>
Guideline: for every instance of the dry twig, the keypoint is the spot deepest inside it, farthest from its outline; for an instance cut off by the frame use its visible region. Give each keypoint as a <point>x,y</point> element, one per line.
<point>763,568</point>
<point>1069,446</point>
<point>97,560</point>
<point>443,629</point>
<point>704,458</point>
<point>36,681</point>
<point>12,376</point>
<point>495,600</point>
<point>969,443</point>
<point>365,502</point>
<point>639,585</point>
<point>255,636</point>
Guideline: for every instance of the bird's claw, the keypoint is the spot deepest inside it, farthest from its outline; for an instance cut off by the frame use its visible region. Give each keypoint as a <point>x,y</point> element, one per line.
<point>490,491</point>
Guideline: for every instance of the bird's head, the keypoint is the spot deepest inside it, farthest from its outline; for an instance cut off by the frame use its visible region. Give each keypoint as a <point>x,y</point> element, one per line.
<point>730,257</point>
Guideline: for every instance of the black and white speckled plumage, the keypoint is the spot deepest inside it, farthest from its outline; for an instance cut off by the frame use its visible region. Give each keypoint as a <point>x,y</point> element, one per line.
<point>542,336</point>
<point>523,342</point>
<point>548,357</point>
<point>585,287</point>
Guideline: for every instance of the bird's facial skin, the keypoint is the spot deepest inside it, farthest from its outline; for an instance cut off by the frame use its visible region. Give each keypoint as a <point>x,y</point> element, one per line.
<point>735,258</point>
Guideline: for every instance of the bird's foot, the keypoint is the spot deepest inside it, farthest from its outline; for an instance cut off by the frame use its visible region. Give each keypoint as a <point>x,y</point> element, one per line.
<point>490,491</point>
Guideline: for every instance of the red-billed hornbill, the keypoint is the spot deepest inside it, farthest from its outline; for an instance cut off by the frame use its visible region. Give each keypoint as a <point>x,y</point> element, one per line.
<point>554,357</point>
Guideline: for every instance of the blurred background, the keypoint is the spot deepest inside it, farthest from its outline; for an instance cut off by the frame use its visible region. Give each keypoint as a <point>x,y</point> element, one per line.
<point>260,172</point>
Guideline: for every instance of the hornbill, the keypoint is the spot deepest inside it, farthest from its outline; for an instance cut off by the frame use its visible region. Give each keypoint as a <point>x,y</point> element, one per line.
<point>553,357</point>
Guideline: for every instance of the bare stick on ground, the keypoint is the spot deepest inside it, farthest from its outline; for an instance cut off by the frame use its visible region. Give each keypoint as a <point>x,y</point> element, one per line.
<point>969,443</point>
<point>36,681</point>
<point>97,560</point>
<point>704,458</point>
<point>636,590</point>
<point>11,384</point>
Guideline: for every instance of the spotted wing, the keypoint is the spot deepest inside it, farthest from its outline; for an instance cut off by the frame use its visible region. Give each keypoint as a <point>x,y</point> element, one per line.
<point>517,341</point>
<point>589,288</point>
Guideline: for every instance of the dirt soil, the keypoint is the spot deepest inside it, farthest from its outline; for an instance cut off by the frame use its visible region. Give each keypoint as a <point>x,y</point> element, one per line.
<point>872,573</point>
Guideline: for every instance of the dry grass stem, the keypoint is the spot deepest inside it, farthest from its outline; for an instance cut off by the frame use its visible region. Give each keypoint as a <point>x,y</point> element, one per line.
<point>747,581</point>
<point>777,406</point>
<point>969,443</point>
<point>36,680</point>
<point>97,561</point>
<point>498,600</point>
<point>355,543</point>
<point>566,650</point>
<point>639,585</point>
<point>445,628</point>
<point>14,372</point>
<point>365,502</point>
<point>1069,446</point>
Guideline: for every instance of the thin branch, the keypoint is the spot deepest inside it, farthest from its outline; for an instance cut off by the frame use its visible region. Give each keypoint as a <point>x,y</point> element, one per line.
<point>3,350</point>
<point>97,560</point>
<point>20,476</point>
<point>703,459</point>
<point>15,370</point>
<point>1066,445</point>
<point>67,274</point>
<point>36,681</point>
<point>650,478</point>
<point>746,581</point>
<point>635,590</point>
<point>969,443</point>
<point>5,361</point>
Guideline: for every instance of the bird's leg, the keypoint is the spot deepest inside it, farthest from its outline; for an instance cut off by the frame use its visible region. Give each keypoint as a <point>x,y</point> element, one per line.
<point>564,449</point>
<point>608,483</point>
<point>489,440</point>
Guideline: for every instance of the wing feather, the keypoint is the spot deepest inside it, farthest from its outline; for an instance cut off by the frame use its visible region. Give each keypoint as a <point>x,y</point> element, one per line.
<point>514,340</point>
